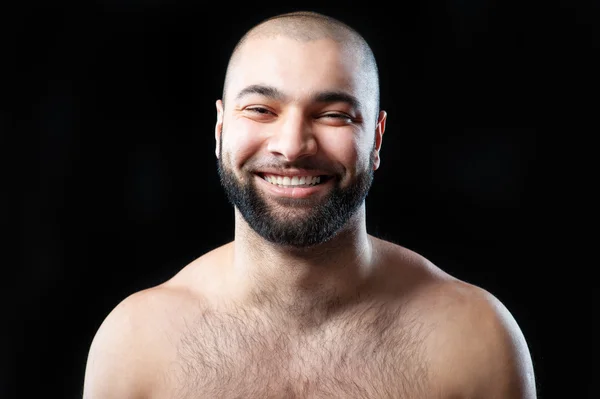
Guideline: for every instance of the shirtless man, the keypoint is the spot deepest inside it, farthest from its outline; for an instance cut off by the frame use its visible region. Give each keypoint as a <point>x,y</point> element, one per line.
<point>304,303</point>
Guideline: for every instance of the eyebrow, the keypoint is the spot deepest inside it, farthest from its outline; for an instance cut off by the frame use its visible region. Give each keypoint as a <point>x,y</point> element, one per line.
<point>265,91</point>
<point>337,97</point>
<point>321,97</point>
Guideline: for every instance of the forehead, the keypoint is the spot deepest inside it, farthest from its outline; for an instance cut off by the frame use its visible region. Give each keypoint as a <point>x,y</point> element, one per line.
<point>298,67</point>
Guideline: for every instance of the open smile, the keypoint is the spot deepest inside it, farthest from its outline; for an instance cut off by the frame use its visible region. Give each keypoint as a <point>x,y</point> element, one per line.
<point>294,186</point>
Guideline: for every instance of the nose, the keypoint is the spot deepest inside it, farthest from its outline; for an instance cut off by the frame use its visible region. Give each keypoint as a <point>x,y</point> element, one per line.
<point>293,138</point>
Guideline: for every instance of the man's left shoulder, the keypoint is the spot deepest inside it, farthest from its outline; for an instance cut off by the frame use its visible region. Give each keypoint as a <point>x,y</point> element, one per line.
<point>477,348</point>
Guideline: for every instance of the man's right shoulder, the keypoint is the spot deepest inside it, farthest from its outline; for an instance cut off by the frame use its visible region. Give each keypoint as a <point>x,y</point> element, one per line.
<point>129,347</point>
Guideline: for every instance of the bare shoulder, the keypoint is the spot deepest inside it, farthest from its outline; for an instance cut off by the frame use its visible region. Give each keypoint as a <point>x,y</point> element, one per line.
<point>477,348</point>
<point>128,353</point>
<point>124,359</point>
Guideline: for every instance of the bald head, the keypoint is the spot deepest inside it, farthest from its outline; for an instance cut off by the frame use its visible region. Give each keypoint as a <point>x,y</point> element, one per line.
<point>306,27</point>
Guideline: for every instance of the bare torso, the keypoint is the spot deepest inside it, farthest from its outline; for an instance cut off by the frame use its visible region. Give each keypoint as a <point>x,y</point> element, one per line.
<point>376,347</point>
<point>364,353</point>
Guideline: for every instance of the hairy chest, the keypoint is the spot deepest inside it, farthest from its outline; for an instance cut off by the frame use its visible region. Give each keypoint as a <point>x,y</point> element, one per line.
<point>375,353</point>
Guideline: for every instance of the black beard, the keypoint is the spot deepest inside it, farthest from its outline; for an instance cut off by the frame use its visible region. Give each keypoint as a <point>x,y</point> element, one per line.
<point>322,222</point>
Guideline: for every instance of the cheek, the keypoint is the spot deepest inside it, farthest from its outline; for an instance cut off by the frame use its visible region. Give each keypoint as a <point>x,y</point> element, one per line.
<point>241,140</point>
<point>347,150</point>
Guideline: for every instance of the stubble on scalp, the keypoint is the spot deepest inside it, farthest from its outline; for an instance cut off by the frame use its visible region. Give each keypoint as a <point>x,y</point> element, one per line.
<point>305,26</point>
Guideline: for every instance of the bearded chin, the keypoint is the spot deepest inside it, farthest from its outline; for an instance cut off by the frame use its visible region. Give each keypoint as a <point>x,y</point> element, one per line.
<point>287,226</point>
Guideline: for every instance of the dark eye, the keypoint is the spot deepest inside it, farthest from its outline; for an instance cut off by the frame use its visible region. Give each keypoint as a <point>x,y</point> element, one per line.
<point>259,110</point>
<point>338,117</point>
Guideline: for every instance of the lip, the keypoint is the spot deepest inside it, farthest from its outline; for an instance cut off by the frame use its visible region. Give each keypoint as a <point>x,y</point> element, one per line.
<point>293,192</point>
<point>292,172</point>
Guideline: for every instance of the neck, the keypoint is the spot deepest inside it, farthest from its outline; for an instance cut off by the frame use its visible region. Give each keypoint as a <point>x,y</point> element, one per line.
<point>308,284</point>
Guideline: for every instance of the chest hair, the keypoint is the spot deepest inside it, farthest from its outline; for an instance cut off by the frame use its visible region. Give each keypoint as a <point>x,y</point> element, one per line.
<point>371,351</point>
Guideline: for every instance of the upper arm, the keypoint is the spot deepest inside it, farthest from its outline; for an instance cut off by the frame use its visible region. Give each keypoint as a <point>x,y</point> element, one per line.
<point>117,366</point>
<point>485,352</point>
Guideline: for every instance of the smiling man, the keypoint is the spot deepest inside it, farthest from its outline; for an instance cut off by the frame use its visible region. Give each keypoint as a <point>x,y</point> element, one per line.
<point>304,303</point>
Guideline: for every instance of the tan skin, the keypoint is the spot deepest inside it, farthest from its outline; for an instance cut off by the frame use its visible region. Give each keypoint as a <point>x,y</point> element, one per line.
<point>357,317</point>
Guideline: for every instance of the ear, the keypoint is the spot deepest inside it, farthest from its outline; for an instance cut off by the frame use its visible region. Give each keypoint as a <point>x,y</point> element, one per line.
<point>218,126</point>
<point>379,130</point>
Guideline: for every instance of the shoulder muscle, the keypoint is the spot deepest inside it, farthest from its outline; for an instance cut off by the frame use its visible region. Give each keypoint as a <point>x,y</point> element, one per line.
<point>119,363</point>
<point>484,352</point>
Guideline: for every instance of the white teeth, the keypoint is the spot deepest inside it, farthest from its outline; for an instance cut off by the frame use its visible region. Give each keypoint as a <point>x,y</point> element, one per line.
<point>287,181</point>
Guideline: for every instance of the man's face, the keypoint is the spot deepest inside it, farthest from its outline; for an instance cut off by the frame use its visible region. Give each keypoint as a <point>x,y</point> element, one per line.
<point>296,142</point>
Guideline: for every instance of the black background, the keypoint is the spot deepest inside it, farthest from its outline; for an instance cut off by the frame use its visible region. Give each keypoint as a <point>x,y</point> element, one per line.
<point>107,121</point>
